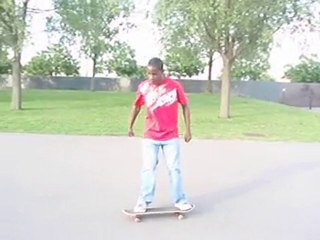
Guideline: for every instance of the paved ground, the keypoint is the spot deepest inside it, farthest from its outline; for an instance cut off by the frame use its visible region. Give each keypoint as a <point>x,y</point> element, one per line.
<point>315,109</point>
<point>73,188</point>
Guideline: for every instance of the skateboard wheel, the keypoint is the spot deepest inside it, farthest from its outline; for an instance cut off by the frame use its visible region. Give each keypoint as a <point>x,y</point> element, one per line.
<point>180,216</point>
<point>137,220</point>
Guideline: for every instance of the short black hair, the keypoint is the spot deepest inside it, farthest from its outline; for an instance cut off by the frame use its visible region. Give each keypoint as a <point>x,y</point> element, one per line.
<point>156,62</point>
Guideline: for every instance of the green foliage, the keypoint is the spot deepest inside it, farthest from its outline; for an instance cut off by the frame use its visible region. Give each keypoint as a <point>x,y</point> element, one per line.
<point>123,61</point>
<point>184,51</point>
<point>232,28</point>
<point>13,16</point>
<point>56,60</point>
<point>184,61</point>
<point>307,71</point>
<point>141,73</point>
<point>252,69</point>
<point>39,66</point>
<point>5,64</point>
<point>96,23</point>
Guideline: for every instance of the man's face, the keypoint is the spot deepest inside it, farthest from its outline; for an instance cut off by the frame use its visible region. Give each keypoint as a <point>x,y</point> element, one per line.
<point>154,74</point>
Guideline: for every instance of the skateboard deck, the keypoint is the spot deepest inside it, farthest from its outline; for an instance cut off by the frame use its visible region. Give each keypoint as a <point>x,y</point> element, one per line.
<point>156,211</point>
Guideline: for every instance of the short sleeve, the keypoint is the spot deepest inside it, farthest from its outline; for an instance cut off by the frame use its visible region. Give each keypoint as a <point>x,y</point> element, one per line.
<point>139,101</point>
<point>182,97</point>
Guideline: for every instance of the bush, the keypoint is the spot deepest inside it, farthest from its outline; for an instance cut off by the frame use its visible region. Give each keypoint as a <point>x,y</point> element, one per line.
<point>307,71</point>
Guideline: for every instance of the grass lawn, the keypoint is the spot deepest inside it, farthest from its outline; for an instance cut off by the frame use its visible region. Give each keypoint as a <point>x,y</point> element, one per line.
<point>107,113</point>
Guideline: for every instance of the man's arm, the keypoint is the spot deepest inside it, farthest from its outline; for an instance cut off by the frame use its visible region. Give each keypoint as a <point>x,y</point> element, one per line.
<point>134,113</point>
<point>187,121</point>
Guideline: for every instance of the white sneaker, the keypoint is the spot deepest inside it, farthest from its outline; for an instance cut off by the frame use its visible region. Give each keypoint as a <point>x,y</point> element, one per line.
<point>183,206</point>
<point>140,208</point>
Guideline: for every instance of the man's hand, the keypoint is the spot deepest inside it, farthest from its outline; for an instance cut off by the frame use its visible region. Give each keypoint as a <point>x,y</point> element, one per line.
<point>187,136</point>
<point>134,113</point>
<point>131,132</point>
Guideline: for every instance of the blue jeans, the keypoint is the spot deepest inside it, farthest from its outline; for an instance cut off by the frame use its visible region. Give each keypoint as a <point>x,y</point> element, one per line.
<point>171,152</point>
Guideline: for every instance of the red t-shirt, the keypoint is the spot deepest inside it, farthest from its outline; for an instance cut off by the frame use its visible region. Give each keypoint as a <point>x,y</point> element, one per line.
<point>161,101</point>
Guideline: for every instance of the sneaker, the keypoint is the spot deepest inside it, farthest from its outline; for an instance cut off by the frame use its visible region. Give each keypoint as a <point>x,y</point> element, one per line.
<point>183,206</point>
<point>140,207</point>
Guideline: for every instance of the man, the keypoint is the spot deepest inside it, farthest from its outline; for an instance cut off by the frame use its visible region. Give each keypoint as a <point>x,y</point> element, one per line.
<point>162,96</point>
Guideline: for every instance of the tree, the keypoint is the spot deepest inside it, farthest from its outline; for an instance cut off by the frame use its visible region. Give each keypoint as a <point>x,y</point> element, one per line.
<point>307,71</point>
<point>13,21</point>
<point>231,28</point>
<point>39,66</point>
<point>184,61</point>
<point>141,73</point>
<point>185,54</point>
<point>56,60</point>
<point>254,70</point>
<point>245,70</point>
<point>253,65</point>
<point>123,61</point>
<point>95,22</point>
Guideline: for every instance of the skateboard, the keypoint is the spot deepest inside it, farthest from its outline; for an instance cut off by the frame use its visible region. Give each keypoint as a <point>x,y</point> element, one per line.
<point>137,217</point>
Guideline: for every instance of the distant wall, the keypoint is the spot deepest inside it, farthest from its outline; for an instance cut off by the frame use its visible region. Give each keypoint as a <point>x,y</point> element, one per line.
<point>301,95</point>
<point>294,94</point>
<point>72,83</point>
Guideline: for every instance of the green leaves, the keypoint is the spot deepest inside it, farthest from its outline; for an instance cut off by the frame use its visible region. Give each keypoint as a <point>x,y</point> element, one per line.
<point>13,15</point>
<point>184,61</point>
<point>7,20</point>
<point>184,51</point>
<point>307,71</point>
<point>5,64</point>
<point>236,29</point>
<point>96,23</point>
<point>56,60</point>
<point>123,61</point>
<point>254,70</point>
<point>230,27</point>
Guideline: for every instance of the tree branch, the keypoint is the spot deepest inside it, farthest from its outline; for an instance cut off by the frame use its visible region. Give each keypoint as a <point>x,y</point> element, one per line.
<point>227,42</point>
<point>238,50</point>
<point>24,10</point>
<point>208,31</point>
<point>211,37</point>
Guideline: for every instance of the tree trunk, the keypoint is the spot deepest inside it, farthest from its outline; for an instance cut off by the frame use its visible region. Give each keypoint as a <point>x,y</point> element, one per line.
<point>209,86</point>
<point>19,36</point>
<point>16,99</point>
<point>94,59</point>
<point>225,89</point>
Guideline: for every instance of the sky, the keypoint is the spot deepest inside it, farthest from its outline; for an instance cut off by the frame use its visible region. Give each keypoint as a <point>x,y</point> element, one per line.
<point>145,41</point>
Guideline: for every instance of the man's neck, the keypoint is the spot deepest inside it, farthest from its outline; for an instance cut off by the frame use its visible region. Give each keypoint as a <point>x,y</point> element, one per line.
<point>163,80</point>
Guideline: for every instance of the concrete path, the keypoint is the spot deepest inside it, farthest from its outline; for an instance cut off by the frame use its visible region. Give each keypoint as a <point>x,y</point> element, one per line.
<point>315,109</point>
<point>74,187</point>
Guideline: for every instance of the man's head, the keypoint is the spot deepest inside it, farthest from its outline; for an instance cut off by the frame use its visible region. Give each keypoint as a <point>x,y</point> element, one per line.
<point>155,70</point>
